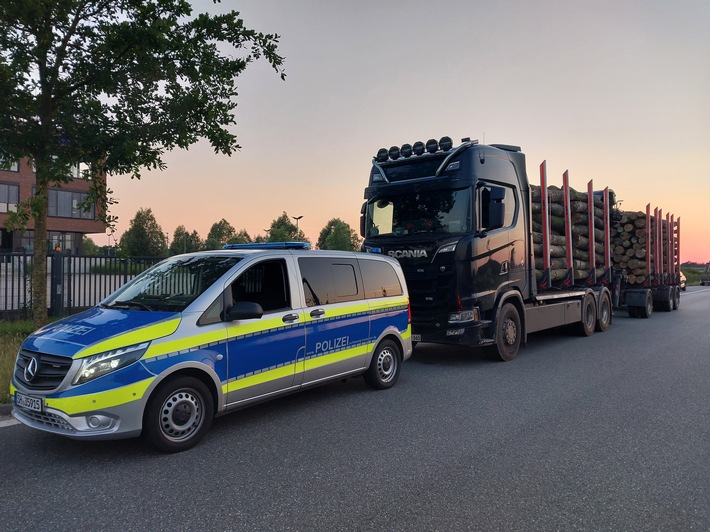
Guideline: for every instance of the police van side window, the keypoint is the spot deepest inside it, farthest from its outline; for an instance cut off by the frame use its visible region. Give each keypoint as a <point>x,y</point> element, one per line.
<point>265,283</point>
<point>380,279</point>
<point>327,281</point>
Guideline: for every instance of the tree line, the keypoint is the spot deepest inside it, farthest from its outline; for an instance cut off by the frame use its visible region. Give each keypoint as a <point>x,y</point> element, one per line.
<point>146,238</point>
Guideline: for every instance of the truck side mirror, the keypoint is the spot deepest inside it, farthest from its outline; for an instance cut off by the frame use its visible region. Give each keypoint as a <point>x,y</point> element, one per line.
<point>363,212</point>
<point>493,207</point>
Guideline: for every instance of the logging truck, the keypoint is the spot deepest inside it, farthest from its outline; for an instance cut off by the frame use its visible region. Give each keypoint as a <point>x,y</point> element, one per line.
<point>485,267</point>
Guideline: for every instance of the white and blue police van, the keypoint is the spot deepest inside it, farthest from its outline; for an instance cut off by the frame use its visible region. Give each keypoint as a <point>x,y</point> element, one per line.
<point>201,334</point>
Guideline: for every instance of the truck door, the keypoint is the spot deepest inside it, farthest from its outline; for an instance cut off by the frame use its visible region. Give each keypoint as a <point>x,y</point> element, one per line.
<point>263,352</point>
<point>336,317</point>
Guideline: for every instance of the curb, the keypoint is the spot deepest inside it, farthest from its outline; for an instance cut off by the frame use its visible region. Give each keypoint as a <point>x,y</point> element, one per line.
<point>5,409</point>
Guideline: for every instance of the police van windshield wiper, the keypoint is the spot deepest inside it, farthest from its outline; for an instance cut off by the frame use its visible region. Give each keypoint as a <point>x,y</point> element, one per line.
<point>129,304</point>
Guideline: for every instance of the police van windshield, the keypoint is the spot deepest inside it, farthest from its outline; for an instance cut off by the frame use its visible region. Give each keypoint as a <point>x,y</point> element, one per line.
<point>432,211</point>
<point>171,285</point>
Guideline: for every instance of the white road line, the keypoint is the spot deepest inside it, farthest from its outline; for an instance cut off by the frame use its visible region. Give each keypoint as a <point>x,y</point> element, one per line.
<point>9,423</point>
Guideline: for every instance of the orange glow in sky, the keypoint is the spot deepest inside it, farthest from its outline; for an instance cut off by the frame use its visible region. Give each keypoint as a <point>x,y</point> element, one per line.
<point>617,92</point>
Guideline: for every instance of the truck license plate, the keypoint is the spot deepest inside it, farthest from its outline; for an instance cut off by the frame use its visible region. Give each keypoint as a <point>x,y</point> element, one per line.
<point>28,402</point>
<point>416,338</point>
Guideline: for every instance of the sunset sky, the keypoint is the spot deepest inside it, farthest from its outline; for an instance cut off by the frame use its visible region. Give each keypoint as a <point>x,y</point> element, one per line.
<point>615,91</point>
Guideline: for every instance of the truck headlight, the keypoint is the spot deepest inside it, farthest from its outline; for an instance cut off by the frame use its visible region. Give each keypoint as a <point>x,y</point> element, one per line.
<point>464,316</point>
<point>98,365</point>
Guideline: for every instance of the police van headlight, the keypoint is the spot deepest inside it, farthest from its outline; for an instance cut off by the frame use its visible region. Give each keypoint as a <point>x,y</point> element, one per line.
<point>99,365</point>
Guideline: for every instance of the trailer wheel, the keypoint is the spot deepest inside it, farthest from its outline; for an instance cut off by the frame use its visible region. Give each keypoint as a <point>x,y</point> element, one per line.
<point>508,332</point>
<point>178,414</point>
<point>604,318</point>
<point>647,310</point>
<point>633,312</point>
<point>589,317</point>
<point>676,298</point>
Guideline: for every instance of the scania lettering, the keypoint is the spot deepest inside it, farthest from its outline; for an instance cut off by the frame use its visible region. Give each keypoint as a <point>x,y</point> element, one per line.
<point>484,266</point>
<point>202,334</point>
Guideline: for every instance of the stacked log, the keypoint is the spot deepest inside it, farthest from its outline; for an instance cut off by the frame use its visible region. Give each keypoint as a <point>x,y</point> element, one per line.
<point>581,231</point>
<point>629,243</point>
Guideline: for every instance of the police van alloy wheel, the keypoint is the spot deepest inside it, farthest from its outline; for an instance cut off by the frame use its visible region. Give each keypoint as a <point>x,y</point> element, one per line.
<point>384,367</point>
<point>178,415</point>
<point>508,332</point>
<point>604,318</point>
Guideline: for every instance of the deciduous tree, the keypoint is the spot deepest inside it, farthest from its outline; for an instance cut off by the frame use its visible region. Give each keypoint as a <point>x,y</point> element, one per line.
<point>184,242</point>
<point>282,230</point>
<point>114,85</point>
<point>338,235</point>
<point>144,238</point>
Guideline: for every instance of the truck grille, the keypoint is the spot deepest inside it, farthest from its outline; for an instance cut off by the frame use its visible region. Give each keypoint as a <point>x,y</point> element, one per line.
<point>429,299</point>
<point>50,373</point>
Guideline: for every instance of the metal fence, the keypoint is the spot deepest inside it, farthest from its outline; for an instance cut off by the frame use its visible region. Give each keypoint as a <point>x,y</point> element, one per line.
<point>74,282</point>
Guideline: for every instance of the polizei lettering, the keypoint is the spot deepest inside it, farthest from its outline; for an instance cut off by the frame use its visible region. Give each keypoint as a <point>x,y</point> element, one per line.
<point>332,345</point>
<point>409,254</point>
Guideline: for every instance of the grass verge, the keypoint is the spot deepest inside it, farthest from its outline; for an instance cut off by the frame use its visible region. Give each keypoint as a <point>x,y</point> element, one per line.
<point>11,336</point>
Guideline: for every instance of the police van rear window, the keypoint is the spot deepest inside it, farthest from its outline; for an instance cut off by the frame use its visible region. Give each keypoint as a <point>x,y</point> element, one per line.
<point>380,279</point>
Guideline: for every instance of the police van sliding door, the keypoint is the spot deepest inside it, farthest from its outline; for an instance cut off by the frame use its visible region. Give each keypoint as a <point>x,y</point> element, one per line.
<point>336,316</point>
<point>263,352</point>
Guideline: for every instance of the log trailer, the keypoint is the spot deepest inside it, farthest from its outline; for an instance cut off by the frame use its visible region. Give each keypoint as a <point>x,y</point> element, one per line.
<point>479,265</point>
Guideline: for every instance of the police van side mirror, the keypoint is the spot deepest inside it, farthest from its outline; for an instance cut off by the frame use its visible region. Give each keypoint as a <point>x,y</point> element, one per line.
<point>245,310</point>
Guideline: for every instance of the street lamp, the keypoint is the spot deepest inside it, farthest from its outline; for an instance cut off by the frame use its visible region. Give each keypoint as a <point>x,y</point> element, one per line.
<point>296,218</point>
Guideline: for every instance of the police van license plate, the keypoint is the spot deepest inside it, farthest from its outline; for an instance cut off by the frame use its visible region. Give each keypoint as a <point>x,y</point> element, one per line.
<point>27,401</point>
<point>416,338</point>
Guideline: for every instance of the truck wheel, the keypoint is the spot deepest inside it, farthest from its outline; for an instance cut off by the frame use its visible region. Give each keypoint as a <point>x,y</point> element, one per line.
<point>633,312</point>
<point>508,332</point>
<point>604,318</point>
<point>384,366</point>
<point>676,298</point>
<point>589,316</point>
<point>647,310</point>
<point>178,415</point>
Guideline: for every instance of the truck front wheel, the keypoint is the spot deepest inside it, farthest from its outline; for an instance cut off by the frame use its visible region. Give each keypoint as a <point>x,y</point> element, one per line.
<point>508,332</point>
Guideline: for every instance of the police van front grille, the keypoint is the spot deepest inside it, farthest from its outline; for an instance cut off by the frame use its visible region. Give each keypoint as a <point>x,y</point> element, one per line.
<point>49,420</point>
<point>49,373</point>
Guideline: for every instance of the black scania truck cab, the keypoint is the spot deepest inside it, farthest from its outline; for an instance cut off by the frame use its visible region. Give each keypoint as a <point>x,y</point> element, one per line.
<point>459,221</point>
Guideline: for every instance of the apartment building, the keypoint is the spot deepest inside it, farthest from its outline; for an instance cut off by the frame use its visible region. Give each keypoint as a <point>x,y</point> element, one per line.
<point>67,223</point>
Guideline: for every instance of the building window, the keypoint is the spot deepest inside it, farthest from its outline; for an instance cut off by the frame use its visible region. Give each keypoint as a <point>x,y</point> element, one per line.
<point>8,165</point>
<point>67,204</point>
<point>61,241</point>
<point>9,198</point>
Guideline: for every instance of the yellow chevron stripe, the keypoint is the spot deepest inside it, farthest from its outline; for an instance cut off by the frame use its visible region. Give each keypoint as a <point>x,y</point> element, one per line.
<point>100,400</point>
<point>339,356</point>
<point>144,334</point>
<point>260,378</point>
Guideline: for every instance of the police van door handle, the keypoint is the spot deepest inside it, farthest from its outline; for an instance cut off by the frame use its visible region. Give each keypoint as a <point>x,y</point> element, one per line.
<point>317,313</point>
<point>288,318</point>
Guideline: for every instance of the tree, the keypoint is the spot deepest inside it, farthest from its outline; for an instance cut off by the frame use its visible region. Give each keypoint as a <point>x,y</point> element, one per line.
<point>338,235</point>
<point>113,85</point>
<point>219,234</point>
<point>144,238</point>
<point>242,237</point>
<point>282,230</point>
<point>89,247</point>
<point>184,242</point>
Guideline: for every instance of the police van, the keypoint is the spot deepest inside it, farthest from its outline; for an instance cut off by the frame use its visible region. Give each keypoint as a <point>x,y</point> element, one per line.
<point>200,334</point>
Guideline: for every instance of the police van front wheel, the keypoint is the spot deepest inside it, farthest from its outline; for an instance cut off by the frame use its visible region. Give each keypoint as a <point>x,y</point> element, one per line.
<point>178,415</point>
<point>385,365</point>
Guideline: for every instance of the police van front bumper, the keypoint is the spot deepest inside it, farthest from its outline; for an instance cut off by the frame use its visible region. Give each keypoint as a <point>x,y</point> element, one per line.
<point>96,425</point>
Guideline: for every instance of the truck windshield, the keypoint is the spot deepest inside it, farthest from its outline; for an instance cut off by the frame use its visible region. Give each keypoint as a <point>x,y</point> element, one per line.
<point>171,285</point>
<point>434,211</point>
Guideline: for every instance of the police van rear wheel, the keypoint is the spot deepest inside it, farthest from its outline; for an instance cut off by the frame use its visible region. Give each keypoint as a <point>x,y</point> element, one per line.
<point>384,367</point>
<point>178,415</point>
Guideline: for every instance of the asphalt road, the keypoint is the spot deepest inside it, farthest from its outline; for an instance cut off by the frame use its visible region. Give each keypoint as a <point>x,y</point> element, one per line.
<point>610,432</point>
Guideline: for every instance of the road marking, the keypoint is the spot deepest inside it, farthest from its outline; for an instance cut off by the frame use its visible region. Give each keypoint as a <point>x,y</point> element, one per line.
<point>9,423</point>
